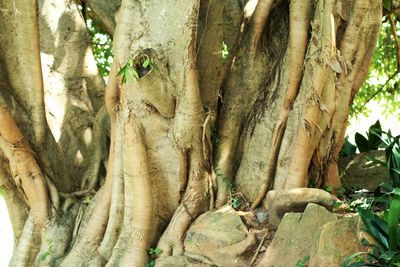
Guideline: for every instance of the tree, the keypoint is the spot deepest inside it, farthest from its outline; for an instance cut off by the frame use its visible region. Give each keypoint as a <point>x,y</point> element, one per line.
<point>382,83</point>
<point>96,174</point>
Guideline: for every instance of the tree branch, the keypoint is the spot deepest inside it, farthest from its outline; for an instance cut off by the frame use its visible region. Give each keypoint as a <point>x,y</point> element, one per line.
<point>381,88</point>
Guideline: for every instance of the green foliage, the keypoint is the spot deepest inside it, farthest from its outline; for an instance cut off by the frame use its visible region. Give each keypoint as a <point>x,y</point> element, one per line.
<point>384,229</point>
<point>387,4</point>
<point>136,69</point>
<point>386,233</point>
<point>153,253</point>
<point>235,199</point>
<point>102,47</point>
<point>348,148</point>
<point>373,139</point>
<point>303,262</point>
<point>393,158</point>
<point>383,80</point>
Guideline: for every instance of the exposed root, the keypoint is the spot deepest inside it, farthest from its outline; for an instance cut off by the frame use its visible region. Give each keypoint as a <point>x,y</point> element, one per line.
<point>16,205</point>
<point>94,230</point>
<point>24,168</point>
<point>356,48</point>
<point>188,137</point>
<point>26,249</point>
<point>183,173</point>
<point>57,238</point>
<point>117,198</point>
<point>260,17</point>
<point>298,37</point>
<point>97,151</point>
<point>137,184</point>
<point>322,50</point>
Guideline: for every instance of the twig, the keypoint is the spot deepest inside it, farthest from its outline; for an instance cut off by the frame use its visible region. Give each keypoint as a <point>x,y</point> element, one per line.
<point>258,249</point>
<point>381,88</point>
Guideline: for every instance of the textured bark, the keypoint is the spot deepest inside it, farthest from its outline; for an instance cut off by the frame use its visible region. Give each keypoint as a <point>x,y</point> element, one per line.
<point>95,175</point>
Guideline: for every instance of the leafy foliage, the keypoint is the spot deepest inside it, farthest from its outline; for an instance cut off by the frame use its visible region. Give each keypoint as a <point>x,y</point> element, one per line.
<point>102,47</point>
<point>303,262</point>
<point>136,69</point>
<point>383,80</point>
<point>373,139</point>
<point>153,253</point>
<point>386,232</point>
<point>384,229</point>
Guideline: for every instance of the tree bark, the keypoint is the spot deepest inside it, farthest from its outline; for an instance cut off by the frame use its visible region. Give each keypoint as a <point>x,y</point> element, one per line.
<point>101,173</point>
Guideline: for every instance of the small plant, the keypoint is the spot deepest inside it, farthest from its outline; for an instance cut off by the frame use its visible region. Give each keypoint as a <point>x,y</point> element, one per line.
<point>235,199</point>
<point>303,262</point>
<point>384,228</point>
<point>153,253</point>
<point>373,139</point>
<point>386,233</point>
<point>136,69</point>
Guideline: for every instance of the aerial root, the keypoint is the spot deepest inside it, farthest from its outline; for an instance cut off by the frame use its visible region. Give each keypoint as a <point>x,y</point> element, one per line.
<point>299,25</point>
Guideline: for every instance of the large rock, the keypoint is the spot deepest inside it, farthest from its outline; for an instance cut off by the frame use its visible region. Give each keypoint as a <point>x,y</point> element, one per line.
<point>280,202</point>
<point>359,172</point>
<point>338,240</point>
<point>296,236</point>
<point>220,237</point>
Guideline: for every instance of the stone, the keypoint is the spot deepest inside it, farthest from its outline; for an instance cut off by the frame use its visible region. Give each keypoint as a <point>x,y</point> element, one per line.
<point>178,261</point>
<point>338,240</point>
<point>359,172</point>
<point>220,237</point>
<point>297,236</point>
<point>280,202</point>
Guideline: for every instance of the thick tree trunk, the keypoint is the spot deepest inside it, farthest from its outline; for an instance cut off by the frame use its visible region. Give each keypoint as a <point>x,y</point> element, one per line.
<point>96,176</point>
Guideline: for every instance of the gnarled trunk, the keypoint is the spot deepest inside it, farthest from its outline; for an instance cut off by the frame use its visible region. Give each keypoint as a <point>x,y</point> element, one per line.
<point>96,175</point>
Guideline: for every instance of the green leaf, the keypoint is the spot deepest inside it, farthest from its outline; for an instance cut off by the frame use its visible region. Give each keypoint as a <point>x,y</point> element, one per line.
<point>386,186</point>
<point>396,191</point>
<point>338,204</point>
<point>375,226</point>
<point>348,148</point>
<point>132,73</point>
<point>151,263</point>
<point>388,255</point>
<point>388,5</point>
<point>146,63</point>
<point>349,260</point>
<point>374,136</point>
<point>393,222</point>
<point>362,142</point>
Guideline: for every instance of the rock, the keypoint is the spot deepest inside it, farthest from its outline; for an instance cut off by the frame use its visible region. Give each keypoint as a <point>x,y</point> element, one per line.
<point>359,172</point>
<point>178,261</point>
<point>297,236</point>
<point>279,202</point>
<point>220,237</point>
<point>262,216</point>
<point>338,240</point>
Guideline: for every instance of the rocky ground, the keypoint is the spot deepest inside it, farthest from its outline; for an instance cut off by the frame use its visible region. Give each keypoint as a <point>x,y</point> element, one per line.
<point>298,227</point>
